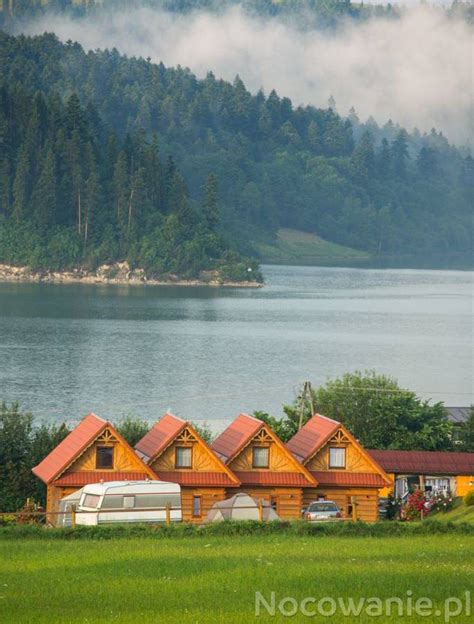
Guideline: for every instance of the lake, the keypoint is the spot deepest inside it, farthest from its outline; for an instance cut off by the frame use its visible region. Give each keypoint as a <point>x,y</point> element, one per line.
<point>208,354</point>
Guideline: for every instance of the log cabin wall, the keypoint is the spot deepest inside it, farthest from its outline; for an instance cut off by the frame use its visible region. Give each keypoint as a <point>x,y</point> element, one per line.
<point>367,500</point>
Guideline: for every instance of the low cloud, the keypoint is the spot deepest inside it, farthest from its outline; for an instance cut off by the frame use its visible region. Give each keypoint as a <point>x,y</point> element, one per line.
<point>416,70</point>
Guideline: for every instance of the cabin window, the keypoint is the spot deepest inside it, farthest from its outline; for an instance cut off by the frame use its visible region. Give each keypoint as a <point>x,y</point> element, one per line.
<point>91,500</point>
<point>128,502</point>
<point>337,457</point>
<point>104,457</point>
<point>184,457</point>
<point>196,506</point>
<point>260,456</point>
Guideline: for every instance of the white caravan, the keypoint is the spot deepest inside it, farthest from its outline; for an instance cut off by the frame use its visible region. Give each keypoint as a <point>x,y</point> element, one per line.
<point>129,501</point>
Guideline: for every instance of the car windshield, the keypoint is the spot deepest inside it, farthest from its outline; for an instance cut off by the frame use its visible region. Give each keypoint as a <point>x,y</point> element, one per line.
<point>323,507</point>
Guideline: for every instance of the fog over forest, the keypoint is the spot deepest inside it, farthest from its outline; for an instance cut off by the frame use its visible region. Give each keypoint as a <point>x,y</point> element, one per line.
<point>415,70</point>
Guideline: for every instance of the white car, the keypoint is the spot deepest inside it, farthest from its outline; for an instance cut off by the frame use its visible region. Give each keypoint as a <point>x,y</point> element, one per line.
<point>322,510</point>
<point>129,501</point>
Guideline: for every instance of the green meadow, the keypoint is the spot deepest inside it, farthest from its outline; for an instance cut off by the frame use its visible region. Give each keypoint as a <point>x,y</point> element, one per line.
<point>209,579</point>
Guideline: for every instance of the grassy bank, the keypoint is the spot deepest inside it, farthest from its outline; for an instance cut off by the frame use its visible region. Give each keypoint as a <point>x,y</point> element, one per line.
<point>294,247</point>
<point>208,578</point>
<point>458,514</point>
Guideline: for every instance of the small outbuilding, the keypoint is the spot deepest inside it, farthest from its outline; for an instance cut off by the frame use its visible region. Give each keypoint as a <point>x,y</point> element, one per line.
<point>241,507</point>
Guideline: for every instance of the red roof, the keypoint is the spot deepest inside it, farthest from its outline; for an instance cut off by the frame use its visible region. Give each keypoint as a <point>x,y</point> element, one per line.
<point>83,478</point>
<point>159,437</point>
<point>312,436</point>
<point>359,479</point>
<point>236,436</point>
<point>425,462</point>
<point>273,478</point>
<point>70,448</point>
<point>194,477</point>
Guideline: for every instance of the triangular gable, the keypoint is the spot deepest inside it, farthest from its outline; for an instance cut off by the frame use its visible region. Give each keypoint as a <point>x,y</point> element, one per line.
<point>259,432</point>
<point>337,434</point>
<point>171,431</point>
<point>68,452</point>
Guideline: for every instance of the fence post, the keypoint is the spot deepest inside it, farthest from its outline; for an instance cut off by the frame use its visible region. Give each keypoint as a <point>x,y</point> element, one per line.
<point>260,510</point>
<point>354,508</point>
<point>168,514</point>
<point>73,516</point>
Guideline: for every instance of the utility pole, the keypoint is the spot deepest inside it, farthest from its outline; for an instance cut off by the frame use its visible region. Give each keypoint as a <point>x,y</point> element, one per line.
<point>306,393</point>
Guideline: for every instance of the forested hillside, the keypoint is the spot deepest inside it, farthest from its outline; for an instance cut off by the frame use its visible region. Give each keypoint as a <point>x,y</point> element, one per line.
<point>72,193</point>
<point>378,189</point>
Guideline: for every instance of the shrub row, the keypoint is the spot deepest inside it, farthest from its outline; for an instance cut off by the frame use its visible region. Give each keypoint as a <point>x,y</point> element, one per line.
<point>296,528</point>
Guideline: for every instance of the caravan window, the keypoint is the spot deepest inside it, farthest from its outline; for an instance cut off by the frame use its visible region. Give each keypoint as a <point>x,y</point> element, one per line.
<point>141,501</point>
<point>91,500</point>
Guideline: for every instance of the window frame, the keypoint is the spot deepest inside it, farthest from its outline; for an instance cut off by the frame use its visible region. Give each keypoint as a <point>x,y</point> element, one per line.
<point>337,448</point>
<point>259,448</point>
<point>197,512</point>
<point>100,448</point>
<point>183,448</point>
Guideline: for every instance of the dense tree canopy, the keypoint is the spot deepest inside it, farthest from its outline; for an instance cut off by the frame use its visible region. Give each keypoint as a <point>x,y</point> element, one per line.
<point>374,188</point>
<point>72,192</point>
<point>376,410</point>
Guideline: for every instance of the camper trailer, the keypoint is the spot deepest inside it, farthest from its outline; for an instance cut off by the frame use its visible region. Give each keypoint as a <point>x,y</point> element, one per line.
<point>129,501</point>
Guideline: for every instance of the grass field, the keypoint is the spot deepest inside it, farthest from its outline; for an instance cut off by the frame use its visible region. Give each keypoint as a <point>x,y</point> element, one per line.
<point>211,580</point>
<point>293,247</point>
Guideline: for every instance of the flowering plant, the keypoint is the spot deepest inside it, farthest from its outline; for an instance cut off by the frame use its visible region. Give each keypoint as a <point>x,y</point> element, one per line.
<point>416,505</point>
<point>440,501</point>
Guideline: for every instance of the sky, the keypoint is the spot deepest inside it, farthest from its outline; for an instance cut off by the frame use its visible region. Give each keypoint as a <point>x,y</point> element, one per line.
<point>416,71</point>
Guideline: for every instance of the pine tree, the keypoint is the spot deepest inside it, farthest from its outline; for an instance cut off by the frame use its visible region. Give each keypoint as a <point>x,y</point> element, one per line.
<point>399,154</point>
<point>210,207</point>
<point>44,198</point>
<point>21,184</point>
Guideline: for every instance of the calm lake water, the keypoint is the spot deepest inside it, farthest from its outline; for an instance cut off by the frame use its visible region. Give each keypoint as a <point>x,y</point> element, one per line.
<point>208,354</point>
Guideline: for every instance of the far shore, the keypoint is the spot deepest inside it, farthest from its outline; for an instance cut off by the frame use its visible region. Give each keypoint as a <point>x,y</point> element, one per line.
<point>117,274</point>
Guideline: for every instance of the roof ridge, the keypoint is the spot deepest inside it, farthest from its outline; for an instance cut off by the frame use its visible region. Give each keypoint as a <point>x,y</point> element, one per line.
<point>316,414</point>
<point>251,417</point>
<point>168,413</point>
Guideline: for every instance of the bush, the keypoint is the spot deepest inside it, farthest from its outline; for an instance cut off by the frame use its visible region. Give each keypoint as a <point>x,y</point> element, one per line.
<point>233,528</point>
<point>469,498</point>
<point>440,502</point>
<point>415,505</point>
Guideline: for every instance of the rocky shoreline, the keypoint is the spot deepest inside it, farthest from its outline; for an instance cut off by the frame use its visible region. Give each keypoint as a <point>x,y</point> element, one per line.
<point>118,273</point>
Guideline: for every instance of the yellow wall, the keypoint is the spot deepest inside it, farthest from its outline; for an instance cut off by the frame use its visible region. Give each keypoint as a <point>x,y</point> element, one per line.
<point>464,483</point>
<point>280,460</point>
<point>203,458</point>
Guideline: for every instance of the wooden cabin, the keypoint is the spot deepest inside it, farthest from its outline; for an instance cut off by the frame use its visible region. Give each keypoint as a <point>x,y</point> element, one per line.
<point>430,471</point>
<point>265,468</point>
<point>344,471</point>
<point>177,453</point>
<point>94,451</point>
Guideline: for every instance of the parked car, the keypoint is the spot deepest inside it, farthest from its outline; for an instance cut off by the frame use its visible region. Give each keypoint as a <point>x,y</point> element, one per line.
<point>322,510</point>
<point>129,501</point>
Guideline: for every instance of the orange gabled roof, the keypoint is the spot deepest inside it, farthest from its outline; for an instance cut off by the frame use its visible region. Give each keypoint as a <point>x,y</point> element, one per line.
<point>159,437</point>
<point>74,444</point>
<point>312,436</point>
<point>163,433</point>
<point>233,439</point>
<point>70,448</point>
<point>240,433</point>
